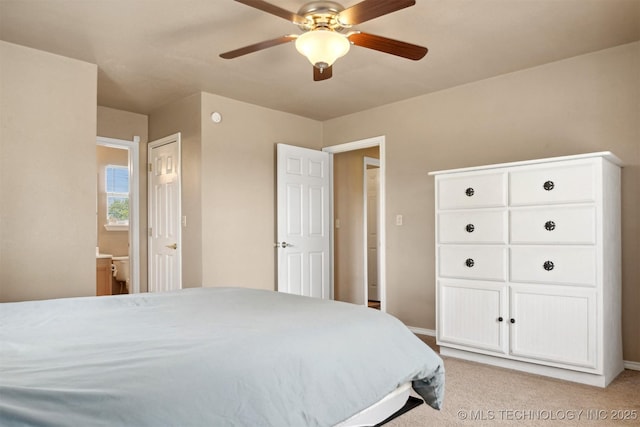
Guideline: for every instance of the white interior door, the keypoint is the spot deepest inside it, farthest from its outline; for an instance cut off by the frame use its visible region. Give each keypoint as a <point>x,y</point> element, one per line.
<point>303,231</point>
<point>165,245</point>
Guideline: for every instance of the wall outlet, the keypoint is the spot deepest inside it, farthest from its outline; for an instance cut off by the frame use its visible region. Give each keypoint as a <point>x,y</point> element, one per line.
<point>398,219</point>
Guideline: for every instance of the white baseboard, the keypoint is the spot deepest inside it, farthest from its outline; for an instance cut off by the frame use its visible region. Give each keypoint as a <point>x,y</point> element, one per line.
<point>422,331</point>
<point>634,366</point>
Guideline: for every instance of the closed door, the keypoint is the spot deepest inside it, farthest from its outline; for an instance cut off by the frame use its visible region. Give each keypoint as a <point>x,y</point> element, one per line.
<point>165,246</point>
<point>303,232</point>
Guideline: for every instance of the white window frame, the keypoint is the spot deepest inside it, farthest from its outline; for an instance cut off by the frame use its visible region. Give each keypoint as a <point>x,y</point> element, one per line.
<point>120,225</point>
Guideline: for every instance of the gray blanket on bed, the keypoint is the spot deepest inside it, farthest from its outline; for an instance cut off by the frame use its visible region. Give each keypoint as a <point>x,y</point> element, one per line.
<point>203,357</point>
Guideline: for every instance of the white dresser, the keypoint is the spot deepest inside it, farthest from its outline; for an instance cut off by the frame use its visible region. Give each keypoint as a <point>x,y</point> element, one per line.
<point>528,266</point>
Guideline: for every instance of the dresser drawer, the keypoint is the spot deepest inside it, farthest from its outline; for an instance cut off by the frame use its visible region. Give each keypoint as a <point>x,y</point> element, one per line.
<point>472,227</point>
<point>472,262</point>
<point>559,183</point>
<point>563,225</point>
<point>568,265</point>
<point>472,191</point>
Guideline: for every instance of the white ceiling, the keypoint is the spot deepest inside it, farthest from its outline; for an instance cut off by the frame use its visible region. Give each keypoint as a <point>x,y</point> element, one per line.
<point>151,52</point>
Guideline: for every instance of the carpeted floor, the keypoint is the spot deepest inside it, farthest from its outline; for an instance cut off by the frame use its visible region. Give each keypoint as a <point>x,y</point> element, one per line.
<point>482,395</point>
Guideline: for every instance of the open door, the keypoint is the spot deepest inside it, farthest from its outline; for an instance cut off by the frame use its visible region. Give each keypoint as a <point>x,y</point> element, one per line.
<point>303,227</point>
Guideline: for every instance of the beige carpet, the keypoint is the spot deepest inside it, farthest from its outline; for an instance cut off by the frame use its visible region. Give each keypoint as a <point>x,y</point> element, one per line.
<point>482,395</point>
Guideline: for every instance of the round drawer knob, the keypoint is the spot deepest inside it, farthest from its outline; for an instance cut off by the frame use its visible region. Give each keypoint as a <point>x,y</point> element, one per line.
<point>512,320</point>
<point>470,228</point>
<point>469,262</point>
<point>548,265</point>
<point>549,225</point>
<point>469,192</point>
<point>549,185</point>
<point>500,319</point>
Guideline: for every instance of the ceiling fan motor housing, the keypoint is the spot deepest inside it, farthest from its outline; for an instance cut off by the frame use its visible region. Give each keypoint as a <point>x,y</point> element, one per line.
<point>321,14</point>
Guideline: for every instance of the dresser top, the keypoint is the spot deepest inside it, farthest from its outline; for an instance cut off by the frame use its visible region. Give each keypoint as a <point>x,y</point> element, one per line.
<point>604,154</point>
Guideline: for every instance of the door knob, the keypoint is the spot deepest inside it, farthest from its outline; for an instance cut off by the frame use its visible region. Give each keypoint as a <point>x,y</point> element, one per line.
<point>174,246</point>
<point>282,245</point>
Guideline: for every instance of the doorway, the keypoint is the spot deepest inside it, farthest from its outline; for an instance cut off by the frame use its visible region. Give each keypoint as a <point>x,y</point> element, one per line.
<point>131,247</point>
<point>370,185</point>
<point>357,279</point>
<point>284,225</point>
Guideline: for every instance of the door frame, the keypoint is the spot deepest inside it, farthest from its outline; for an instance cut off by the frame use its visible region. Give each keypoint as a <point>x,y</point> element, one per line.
<point>376,141</point>
<point>177,138</point>
<point>133,148</point>
<point>369,161</point>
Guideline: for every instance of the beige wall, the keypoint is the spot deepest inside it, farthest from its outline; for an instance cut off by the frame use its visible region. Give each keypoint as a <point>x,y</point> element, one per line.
<point>118,124</point>
<point>184,116</point>
<point>228,187</point>
<point>238,188</point>
<point>348,207</point>
<point>584,104</point>
<point>228,196</point>
<point>47,175</point>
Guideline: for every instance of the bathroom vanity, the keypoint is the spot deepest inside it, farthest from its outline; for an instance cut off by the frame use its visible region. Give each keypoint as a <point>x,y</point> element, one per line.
<point>103,274</point>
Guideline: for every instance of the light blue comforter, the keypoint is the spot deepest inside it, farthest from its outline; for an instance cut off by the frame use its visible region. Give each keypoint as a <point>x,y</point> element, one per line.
<point>203,357</point>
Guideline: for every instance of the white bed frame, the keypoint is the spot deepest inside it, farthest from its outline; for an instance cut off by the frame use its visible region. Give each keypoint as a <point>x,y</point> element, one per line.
<point>380,410</point>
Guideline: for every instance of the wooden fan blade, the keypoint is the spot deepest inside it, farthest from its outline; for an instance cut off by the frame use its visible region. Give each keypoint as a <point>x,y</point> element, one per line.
<point>322,74</point>
<point>274,10</point>
<point>383,44</point>
<point>369,9</point>
<point>257,46</point>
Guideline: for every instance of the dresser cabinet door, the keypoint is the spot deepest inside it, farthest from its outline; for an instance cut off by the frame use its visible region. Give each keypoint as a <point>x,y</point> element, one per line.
<point>553,324</point>
<point>565,265</point>
<point>552,184</point>
<point>472,227</point>
<point>472,191</point>
<point>472,262</point>
<point>573,225</point>
<point>472,315</point>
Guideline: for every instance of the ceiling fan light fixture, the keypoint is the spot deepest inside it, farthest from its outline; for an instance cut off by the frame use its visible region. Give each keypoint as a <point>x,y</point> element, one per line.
<point>322,47</point>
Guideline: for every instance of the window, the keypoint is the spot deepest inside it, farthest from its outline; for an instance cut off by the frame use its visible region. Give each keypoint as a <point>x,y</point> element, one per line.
<point>117,189</point>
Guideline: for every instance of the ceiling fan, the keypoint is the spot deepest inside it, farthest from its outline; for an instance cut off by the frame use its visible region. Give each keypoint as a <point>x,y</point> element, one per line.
<point>328,32</point>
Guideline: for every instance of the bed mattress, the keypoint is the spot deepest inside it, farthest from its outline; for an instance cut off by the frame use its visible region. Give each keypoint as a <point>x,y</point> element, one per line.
<point>205,356</point>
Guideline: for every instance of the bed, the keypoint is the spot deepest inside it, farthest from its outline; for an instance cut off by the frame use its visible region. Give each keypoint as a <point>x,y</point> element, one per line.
<point>208,357</point>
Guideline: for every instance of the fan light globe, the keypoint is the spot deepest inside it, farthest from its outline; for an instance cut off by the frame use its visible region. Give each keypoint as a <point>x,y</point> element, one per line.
<point>322,47</point>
